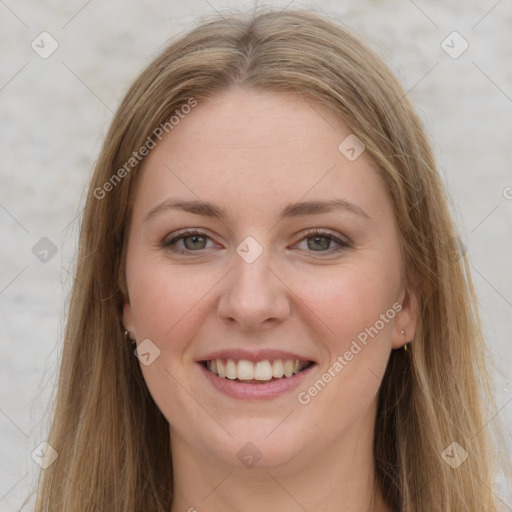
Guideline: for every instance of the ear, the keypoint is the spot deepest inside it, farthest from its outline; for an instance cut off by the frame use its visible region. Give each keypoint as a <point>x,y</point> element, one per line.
<point>406,320</point>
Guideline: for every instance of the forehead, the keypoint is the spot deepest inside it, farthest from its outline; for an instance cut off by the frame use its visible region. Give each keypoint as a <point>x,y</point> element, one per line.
<point>255,151</point>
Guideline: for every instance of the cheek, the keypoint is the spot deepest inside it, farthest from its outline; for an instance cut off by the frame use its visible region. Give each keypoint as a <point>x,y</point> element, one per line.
<point>168,304</point>
<point>348,302</point>
<point>354,309</point>
<point>169,307</point>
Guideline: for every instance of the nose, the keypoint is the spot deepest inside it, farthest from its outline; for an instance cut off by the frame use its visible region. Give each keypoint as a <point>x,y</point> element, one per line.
<point>253,297</point>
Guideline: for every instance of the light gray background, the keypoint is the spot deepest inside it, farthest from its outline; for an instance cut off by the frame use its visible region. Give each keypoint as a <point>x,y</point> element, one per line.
<point>55,111</point>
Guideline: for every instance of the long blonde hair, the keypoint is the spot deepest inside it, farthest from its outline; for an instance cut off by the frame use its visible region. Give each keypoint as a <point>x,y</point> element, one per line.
<point>113,442</point>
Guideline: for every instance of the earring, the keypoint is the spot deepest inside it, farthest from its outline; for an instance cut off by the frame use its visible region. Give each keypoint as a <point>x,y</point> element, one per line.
<point>402,332</point>
<point>128,338</point>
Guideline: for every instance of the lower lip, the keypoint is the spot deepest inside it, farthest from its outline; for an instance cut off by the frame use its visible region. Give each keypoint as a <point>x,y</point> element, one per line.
<point>266,391</point>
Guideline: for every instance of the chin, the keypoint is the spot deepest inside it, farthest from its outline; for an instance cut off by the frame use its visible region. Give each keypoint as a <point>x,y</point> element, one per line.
<point>259,444</point>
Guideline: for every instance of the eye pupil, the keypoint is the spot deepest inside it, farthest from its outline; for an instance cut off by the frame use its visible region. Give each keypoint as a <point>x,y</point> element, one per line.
<point>196,239</point>
<point>322,241</point>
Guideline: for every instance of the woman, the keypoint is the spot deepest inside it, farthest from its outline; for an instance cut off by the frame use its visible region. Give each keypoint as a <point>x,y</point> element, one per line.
<point>266,225</point>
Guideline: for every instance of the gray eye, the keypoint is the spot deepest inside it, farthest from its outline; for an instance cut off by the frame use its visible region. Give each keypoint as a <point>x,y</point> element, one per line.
<point>194,242</point>
<point>319,243</point>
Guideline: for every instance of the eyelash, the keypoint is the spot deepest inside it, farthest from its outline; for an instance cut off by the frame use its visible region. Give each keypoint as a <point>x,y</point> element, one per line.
<point>316,232</point>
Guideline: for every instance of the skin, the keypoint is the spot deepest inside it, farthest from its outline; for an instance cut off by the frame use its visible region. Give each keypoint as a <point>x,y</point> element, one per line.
<point>253,153</point>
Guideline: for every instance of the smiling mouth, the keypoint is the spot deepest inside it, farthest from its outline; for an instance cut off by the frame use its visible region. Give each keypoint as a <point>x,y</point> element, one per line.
<point>258,372</point>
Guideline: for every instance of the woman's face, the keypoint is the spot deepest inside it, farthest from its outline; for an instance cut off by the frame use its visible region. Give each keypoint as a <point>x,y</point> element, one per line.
<point>258,248</point>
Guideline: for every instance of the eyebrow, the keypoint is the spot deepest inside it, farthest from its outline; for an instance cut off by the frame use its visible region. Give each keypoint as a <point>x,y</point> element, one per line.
<point>301,209</point>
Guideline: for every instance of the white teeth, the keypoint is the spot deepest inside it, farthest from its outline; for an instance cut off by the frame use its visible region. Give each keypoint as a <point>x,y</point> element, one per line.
<point>261,370</point>
<point>245,370</point>
<point>278,369</point>
<point>288,368</point>
<point>220,369</point>
<point>231,370</point>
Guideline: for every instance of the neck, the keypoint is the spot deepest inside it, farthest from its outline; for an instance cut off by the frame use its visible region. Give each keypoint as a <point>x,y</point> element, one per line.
<point>338,478</point>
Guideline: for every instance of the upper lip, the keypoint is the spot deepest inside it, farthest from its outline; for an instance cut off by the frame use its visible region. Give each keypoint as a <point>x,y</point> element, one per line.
<point>253,355</point>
